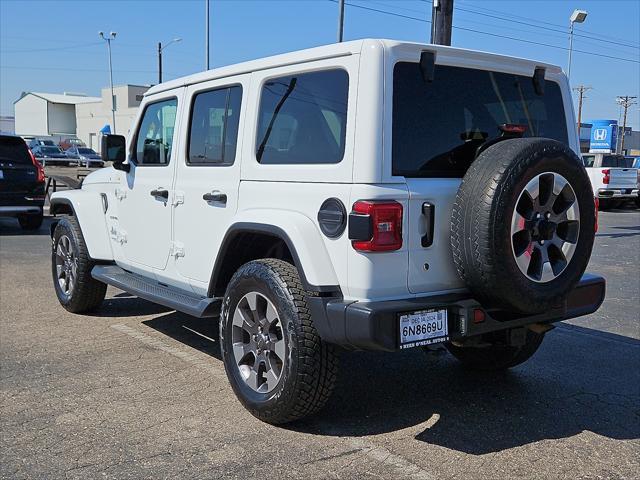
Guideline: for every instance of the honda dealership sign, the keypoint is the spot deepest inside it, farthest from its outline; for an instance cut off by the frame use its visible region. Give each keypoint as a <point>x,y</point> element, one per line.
<point>603,136</point>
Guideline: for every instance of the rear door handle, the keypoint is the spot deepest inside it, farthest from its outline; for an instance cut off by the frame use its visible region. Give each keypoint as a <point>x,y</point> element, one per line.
<point>160,193</point>
<point>215,197</point>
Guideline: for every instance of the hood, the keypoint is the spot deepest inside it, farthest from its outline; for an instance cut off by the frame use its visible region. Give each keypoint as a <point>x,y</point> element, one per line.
<point>104,175</point>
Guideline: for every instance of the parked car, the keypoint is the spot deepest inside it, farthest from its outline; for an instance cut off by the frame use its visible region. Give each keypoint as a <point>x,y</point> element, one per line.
<point>372,195</point>
<point>21,183</point>
<point>85,156</point>
<point>613,178</point>
<point>50,154</point>
<point>39,141</point>
<point>67,143</point>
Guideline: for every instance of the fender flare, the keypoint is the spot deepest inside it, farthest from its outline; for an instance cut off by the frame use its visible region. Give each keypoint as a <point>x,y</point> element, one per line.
<point>88,208</point>
<point>307,265</point>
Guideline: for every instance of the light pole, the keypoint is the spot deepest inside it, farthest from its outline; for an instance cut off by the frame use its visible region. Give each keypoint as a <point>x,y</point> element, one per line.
<point>206,34</point>
<point>112,36</point>
<point>578,16</point>
<point>160,49</point>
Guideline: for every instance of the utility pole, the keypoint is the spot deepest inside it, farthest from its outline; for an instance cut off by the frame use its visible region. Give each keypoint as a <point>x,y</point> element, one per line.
<point>160,49</point>
<point>340,20</point>
<point>581,89</point>
<point>626,102</point>
<point>112,36</point>
<point>206,40</point>
<point>441,22</point>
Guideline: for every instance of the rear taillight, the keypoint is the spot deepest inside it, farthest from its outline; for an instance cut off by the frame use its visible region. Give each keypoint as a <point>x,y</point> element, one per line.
<point>597,203</point>
<point>39,169</point>
<point>606,176</point>
<point>384,226</point>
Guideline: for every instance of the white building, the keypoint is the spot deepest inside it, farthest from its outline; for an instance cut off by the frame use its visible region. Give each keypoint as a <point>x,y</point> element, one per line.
<point>64,115</point>
<point>7,124</point>
<point>47,114</point>
<point>91,117</point>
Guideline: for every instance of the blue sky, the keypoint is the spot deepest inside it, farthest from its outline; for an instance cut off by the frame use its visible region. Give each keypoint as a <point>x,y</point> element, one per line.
<point>53,46</point>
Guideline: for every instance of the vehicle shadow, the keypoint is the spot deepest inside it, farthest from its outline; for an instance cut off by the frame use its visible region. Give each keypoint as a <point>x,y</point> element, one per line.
<point>634,230</point>
<point>581,379</point>
<point>198,333</point>
<point>9,227</point>
<point>125,305</point>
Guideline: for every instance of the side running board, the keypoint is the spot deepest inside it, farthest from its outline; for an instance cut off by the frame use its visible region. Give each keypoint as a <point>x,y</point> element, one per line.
<point>180,300</point>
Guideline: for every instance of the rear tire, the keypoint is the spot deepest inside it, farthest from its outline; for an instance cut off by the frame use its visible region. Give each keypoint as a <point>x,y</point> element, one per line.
<point>71,266</point>
<point>497,356</point>
<point>277,365</point>
<point>32,221</point>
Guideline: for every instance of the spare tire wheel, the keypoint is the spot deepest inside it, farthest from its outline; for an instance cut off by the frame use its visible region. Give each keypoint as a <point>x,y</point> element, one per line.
<point>522,224</point>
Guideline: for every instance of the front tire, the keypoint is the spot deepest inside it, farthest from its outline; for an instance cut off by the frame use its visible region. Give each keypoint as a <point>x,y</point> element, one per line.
<point>277,365</point>
<point>71,265</point>
<point>495,354</point>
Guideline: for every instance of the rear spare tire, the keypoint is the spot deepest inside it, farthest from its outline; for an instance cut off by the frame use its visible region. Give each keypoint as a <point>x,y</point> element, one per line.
<point>523,224</point>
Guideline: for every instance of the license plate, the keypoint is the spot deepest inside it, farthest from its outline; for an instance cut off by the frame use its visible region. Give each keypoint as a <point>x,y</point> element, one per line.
<point>423,328</point>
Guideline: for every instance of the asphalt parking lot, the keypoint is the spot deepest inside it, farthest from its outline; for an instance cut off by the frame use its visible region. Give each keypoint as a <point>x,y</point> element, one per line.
<point>138,391</point>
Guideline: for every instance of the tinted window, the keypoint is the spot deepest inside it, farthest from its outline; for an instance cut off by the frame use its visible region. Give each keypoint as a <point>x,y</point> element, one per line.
<point>588,160</point>
<point>155,135</point>
<point>86,151</point>
<point>14,150</point>
<point>302,118</point>
<point>50,150</point>
<point>214,127</point>
<point>438,126</point>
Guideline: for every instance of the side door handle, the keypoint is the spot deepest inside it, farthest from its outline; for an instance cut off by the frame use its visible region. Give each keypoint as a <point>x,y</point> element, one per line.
<point>215,197</point>
<point>160,193</point>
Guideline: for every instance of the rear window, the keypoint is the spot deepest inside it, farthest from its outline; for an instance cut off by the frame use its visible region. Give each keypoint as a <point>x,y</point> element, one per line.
<point>438,126</point>
<point>14,150</point>
<point>303,118</point>
<point>616,161</point>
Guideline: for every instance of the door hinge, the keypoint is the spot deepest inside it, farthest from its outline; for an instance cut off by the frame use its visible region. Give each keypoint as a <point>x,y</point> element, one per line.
<point>178,198</point>
<point>120,193</point>
<point>177,249</point>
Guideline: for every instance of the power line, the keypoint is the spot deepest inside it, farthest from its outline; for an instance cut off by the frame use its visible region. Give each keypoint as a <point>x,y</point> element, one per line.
<point>481,32</point>
<point>555,25</point>
<point>511,20</point>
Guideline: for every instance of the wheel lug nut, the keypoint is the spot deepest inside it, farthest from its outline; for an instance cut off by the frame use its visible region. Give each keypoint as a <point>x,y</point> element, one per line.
<point>541,242</point>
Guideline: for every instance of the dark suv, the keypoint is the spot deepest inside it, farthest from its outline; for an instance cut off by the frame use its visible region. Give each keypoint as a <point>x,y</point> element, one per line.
<point>21,183</point>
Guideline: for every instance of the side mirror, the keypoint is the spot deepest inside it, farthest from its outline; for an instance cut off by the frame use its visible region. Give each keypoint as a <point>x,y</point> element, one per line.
<point>114,149</point>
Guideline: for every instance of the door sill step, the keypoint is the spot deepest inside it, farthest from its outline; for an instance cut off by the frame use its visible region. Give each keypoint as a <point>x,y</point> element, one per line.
<point>178,299</point>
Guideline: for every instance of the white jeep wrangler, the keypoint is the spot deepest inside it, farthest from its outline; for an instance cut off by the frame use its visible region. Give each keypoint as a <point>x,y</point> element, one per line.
<point>372,195</point>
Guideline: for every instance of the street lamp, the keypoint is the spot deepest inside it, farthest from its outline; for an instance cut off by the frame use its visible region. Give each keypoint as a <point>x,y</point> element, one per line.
<point>160,49</point>
<point>578,16</point>
<point>112,36</point>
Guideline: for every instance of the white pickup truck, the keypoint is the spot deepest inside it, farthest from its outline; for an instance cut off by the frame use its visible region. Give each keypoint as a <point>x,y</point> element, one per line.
<point>613,179</point>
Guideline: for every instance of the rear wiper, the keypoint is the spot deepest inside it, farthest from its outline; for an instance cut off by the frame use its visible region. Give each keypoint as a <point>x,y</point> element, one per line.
<point>267,134</point>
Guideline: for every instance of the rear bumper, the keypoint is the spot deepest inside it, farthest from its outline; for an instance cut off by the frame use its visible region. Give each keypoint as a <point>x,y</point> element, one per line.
<point>375,325</point>
<point>618,193</point>
<point>12,211</point>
